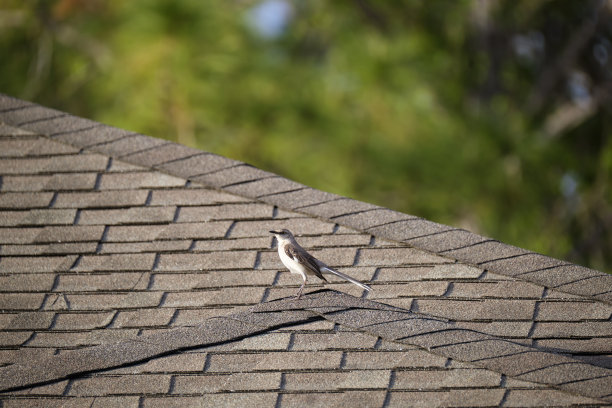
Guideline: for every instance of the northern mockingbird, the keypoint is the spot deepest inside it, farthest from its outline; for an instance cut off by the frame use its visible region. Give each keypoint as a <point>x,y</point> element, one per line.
<point>297,260</point>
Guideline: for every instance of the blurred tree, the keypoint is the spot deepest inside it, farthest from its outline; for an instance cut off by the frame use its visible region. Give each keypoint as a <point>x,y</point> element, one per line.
<point>492,115</point>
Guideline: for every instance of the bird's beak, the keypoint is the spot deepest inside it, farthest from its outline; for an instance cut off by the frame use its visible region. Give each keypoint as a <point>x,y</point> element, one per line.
<point>275,232</point>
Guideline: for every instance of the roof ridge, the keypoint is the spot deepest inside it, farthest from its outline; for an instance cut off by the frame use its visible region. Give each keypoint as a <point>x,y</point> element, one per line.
<point>200,167</point>
<point>381,320</point>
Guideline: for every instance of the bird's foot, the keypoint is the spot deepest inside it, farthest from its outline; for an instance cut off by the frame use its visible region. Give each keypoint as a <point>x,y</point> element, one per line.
<point>299,293</point>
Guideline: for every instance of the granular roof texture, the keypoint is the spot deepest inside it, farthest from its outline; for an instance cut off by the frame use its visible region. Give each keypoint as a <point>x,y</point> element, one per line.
<point>135,272</point>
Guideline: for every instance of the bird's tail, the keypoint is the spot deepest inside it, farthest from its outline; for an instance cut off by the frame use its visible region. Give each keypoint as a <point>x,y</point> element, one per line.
<point>346,277</point>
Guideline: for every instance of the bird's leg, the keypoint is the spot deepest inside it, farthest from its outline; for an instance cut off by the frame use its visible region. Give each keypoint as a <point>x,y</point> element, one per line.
<point>299,294</point>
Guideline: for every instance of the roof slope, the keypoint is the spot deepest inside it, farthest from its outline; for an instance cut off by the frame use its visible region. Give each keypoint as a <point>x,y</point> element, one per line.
<point>139,272</point>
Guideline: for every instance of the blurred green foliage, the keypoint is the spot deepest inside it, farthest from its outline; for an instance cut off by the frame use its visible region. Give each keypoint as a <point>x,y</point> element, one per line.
<point>491,115</point>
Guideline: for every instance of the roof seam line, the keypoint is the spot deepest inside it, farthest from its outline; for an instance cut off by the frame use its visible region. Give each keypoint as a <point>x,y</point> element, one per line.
<point>584,379</point>
<point>451,229</point>
<point>319,203</point>
<point>411,218</point>
<point>571,282</point>
<point>40,120</point>
<point>470,245</point>
<point>548,366</point>
<point>177,159</point>
<point>541,269</point>
<point>237,183</point>
<point>206,173</point>
<point>30,106</point>
<point>126,156</point>
<point>282,192</point>
<point>67,132</point>
<point>355,213</point>
<point>108,142</point>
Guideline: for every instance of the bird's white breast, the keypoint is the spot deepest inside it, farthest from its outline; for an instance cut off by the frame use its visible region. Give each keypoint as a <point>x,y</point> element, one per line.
<point>293,266</point>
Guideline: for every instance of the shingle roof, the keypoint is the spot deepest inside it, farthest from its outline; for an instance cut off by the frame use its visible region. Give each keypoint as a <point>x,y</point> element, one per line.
<point>139,272</point>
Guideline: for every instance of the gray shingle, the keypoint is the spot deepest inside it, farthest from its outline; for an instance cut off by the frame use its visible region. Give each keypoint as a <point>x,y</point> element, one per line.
<point>523,263</point>
<point>136,233</point>
<point>102,302</point>
<point>27,264</point>
<point>56,182</point>
<point>57,164</point>
<point>143,318</point>
<point>393,359</point>
<point>239,211</point>
<point>25,200</point>
<point>301,199</point>
<point>37,217</point>
<point>230,400</point>
<point>133,384</point>
<point>437,379</point>
<point>160,154</point>
<point>212,279</point>
<point>264,187</point>
<point>372,217</point>
<point>69,233</point>
<point>505,289</point>
<point>239,173</point>
<point>589,286</point>
<point>222,296</point>
<point>341,399</point>
<point>197,165</point>
<point>331,341</point>
<point>135,215</point>
<point>306,226</point>
<point>26,282</point>
<point>489,309</point>
<point>115,262</point>
<point>83,321</point>
<point>31,321</point>
<point>485,252</point>
<point>443,271</point>
<point>26,114</point>
<point>479,397</point>
<point>397,257</point>
<point>206,261</point>
<point>341,207</point>
<point>192,197</point>
<point>92,136</point>
<point>264,361</point>
<point>541,398</point>
<point>102,199</point>
<point>151,246</point>
<point>137,180</point>
<point>21,301</point>
<point>573,311</point>
<point>126,145</point>
<point>339,380</point>
<point>60,125</point>
<point>8,103</point>
<point>79,282</point>
<point>33,146</point>
<point>198,384</point>
<point>447,240</point>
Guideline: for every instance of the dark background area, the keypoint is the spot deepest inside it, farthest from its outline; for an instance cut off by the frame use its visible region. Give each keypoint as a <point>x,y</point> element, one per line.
<point>491,115</point>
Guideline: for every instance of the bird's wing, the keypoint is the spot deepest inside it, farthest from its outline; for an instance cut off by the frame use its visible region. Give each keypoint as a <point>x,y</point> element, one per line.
<point>303,257</point>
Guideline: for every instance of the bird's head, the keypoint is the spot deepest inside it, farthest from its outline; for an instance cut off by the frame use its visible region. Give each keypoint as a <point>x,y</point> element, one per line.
<point>282,234</point>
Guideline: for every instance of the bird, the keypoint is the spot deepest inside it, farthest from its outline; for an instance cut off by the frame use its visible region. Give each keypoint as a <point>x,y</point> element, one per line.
<point>299,261</point>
